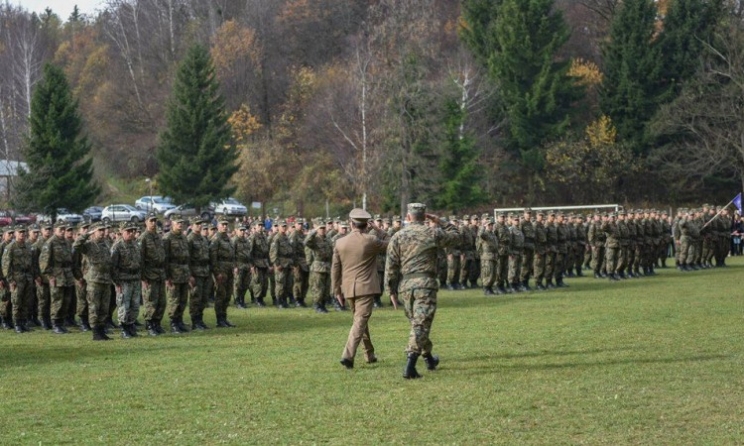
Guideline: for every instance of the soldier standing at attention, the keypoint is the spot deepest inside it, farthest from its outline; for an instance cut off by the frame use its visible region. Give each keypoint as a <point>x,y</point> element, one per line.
<point>596,239</point>
<point>505,241</point>
<point>200,275</point>
<point>6,308</point>
<point>411,271</point>
<point>467,250</point>
<point>528,251</point>
<point>33,304</point>
<point>624,242</point>
<point>19,272</point>
<point>259,247</point>
<point>153,276</point>
<point>79,298</point>
<point>515,255</point>
<point>561,249</point>
<point>453,262</point>
<point>243,260</point>
<point>541,246</point>
<point>43,295</point>
<point>551,235</point>
<point>300,270</point>
<point>95,249</point>
<point>55,264</point>
<point>612,246</point>
<point>354,278</point>
<point>380,261</point>
<point>281,254</point>
<point>489,253</point>
<point>177,273</point>
<point>222,260</point>
<point>580,245</point>
<point>320,268</point>
<point>125,273</point>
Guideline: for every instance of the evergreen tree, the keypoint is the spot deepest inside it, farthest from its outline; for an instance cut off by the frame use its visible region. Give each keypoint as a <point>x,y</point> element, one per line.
<point>520,46</point>
<point>60,174</point>
<point>196,155</point>
<point>458,164</point>
<point>632,68</point>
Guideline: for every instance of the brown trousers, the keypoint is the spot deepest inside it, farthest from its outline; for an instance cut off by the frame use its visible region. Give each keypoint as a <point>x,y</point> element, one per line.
<point>361,309</point>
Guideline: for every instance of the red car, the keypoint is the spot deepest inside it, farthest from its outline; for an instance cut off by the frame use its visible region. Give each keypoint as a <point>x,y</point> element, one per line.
<point>27,219</point>
<point>6,218</point>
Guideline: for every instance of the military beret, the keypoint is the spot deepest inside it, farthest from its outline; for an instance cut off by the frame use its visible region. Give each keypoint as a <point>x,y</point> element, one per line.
<point>416,208</point>
<point>359,215</point>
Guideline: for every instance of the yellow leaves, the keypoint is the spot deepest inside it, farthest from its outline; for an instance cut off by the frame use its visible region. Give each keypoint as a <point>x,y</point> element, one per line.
<point>586,72</point>
<point>601,132</point>
<point>233,43</point>
<point>243,123</point>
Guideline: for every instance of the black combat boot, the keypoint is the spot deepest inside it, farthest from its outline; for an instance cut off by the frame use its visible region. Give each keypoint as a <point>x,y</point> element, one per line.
<point>260,302</point>
<point>59,327</point>
<point>300,303</point>
<point>20,326</point>
<point>6,324</point>
<point>137,323</point>
<point>201,324</point>
<point>409,372</point>
<point>320,308</point>
<point>150,325</point>
<point>35,320</point>
<point>539,286</point>
<point>526,285</point>
<point>487,291</point>
<point>132,330</point>
<point>174,327</point>
<point>46,324</point>
<point>550,284</point>
<point>159,328</point>
<point>70,322</point>
<point>98,334</point>
<point>431,361</point>
<point>182,326</point>
<point>348,363</point>
<point>84,324</point>
<point>125,334</point>
<point>221,322</point>
<point>560,283</point>
<point>378,302</point>
<point>228,323</point>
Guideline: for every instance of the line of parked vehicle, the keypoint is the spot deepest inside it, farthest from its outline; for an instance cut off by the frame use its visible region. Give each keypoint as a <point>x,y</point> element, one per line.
<point>114,213</point>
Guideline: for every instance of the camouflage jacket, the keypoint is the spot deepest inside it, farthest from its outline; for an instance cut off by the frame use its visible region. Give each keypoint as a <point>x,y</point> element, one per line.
<point>126,261</point>
<point>221,254</point>
<point>613,234</point>
<point>517,240</point>
<point>198,255</point>
<point>505,238</point>
<point>561,232</point>
<point>551,234</point>
<point>242,248</point>
<point>412,256</point>
<point>321,252</point>
<point>259,250</point>
<point>153,256</point>
<point>55,261</point>
<point>281,251</point>
<point>17,263</point>
<point>296,239</point>
<point>489,245</point>
<point>623,234</point>
<point>541,238</point>
<point>580,235</point>
<point>528,229</point>
<point>177,257</point>
<point>37,247</point>
<point>98,256</point>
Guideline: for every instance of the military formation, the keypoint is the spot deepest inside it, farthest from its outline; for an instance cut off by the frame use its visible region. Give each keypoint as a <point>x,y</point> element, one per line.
<point>62,276</point>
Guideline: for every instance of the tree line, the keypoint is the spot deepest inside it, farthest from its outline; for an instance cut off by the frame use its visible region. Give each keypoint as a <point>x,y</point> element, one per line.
<point>461,105</point>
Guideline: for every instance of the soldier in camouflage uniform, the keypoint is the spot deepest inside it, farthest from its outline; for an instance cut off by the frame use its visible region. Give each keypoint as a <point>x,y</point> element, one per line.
<point>580,245</point>
<point>320,268</point>
<point>33,311</point>
<point>56,266</point>
<point>43,294</point>
<point>222,261</point>
<point>79,300</point>
<point>612,246</point>
<point>98,278</point>
<point>488,249</point>
<point>570,258</point>
<point>125,273</point>
<point>271,276</point>
<point>528,252</point>
<point>244,261</point>
<point>19,271</point>
<point>153,276</point>
<point>453,262</point>
<point>300,270</point>
<point>541,247</point>
<point>624,245</point>
<point>200,272</point>
<point>551,236</point>
<point>467,252</point>
<point>343,230</point>
<point>515,255</point>
<point>281,253</point>
<point>6,307</point>
<point>501,229</point>
<point>561,249</point>
<point>259,248</point>
<point>177,273</point>
<point>475,267</point>
<point>411,273</point>
<point>596,239</point>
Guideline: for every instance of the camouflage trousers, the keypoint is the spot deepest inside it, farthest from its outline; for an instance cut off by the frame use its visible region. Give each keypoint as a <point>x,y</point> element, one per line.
<point>559,265</point>
<point>300,284</point>
<point>320,287</point>
<point>515,267</point>
<point>630,258</point>
<point>686,251</point>
<point>420,305</point>
<point>78,302</point>
<point>99,300</point>
<point>283,285</point>
<point>271,276</point>
<point>259,283</point>
<point>128,301</point>
<point>488,272</point>
<point>580,253</point>
<point>178,298</point>
<point>20,295</point>
<point>637,256</point>
<point>6,307</point>
<point>60,299</point>
<point>453,269</point>
<point>538,266</point>
<point>44,301</point>
<point>153,296</point>
<point>550,266</point>
<point>475,271</point>
<point>222,289</point>
<point>361,310</point>
<point>622,258</point>
<point>198,296</point>
<point>698,251</point>
<point>611,255</point>
<point>442,270</point>
<point>242,284</point>
<point>502,270</point>
<point>598,259</point>
<point>588,257</point>
<point>528,264</point>
<point>466,264</point>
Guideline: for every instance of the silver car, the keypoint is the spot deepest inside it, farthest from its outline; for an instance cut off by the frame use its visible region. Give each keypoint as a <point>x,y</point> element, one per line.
<point>188,210</point>
<point>122,212</point>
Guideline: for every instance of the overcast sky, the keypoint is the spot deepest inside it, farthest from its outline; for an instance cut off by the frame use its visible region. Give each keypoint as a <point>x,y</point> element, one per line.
<point>62,8</point>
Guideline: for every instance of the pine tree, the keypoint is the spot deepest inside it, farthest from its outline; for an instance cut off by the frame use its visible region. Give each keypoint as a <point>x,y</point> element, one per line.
<point>60,173</point>
<point>632,69</point>
<point>520,46</point>
<point>458,164</point>
<point>196,155</point>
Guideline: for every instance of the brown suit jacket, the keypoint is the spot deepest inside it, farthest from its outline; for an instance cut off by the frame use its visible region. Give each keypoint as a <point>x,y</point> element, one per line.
<point>354,267</point>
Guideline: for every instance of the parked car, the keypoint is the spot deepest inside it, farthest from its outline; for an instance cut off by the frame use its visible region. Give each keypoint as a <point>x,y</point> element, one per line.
<point>6,218</point>
<point>62,215</point>
<point>24,219</point>
<point>230,207</point>
<point>122,212</point>
<point>93,213</point>
<point>188,210</point>
<point>154,203</point>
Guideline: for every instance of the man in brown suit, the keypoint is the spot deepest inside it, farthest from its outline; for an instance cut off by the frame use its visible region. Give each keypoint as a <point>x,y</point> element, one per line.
<point>354,279</point>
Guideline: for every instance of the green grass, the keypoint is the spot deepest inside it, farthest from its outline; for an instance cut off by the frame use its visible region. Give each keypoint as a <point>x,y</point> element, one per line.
<point>649,361</point>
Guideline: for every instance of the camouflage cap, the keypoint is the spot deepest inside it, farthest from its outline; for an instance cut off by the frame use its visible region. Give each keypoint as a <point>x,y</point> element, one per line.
<point>47,225</point>
<point>416,208</point>
<point>344,224</point>
<point>541,213</point>
<point>20,228</point>
<point>281,223</point>
<point>178,218</point>
<point>224,221</point>
<point>98,226</point>
<point>152,216</point>
<point>465,217</point>
<point>452,218</point>
<point>378,217</point>
<point>7,229</point>
<point>85,225</point>
<point>622,212</point>
<point>488,220</point>
<point>60,224</point>
<point>397,218</point>
<point>257,223</point>
<point>196,220</point>
<point>501,214</point>
<point>204,226</point>
<point>70,227</point>
<point>527,210</point>
<point>129,226</point>
<point>212,227</point>
<point>474,217</point>
<point>359,215</point>
<point>551,212</point>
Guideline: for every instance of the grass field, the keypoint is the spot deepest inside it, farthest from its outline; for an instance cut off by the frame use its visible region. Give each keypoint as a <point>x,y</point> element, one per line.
<point>649,361</point>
